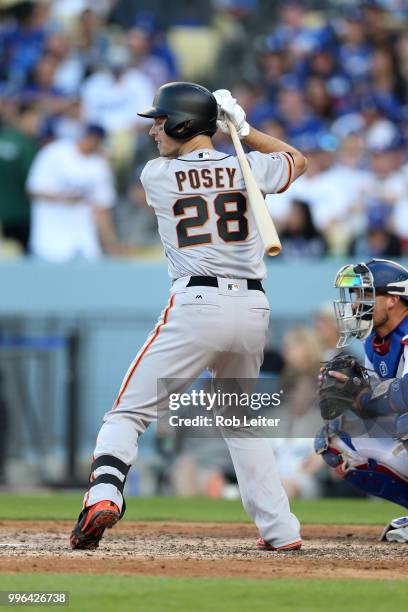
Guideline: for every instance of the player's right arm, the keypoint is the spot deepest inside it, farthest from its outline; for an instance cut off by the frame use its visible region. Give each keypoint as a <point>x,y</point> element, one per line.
<point>268,144</point>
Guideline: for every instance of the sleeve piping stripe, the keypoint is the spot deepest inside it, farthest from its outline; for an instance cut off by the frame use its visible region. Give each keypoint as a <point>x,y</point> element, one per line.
<point>290,173</point>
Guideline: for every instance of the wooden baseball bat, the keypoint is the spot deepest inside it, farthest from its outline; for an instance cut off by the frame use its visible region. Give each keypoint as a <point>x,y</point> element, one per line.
<point>263,219</point>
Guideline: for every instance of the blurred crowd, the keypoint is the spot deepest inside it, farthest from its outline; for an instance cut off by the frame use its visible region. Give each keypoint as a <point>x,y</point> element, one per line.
<point>330,76</point>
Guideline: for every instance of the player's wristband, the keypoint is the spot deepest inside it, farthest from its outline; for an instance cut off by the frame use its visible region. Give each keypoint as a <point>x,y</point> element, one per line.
<point>370,408</point>
<point>387,398</point>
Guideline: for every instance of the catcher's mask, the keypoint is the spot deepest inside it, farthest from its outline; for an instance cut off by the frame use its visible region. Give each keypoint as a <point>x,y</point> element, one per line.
<point>354,309</point>
<point>358,285</point>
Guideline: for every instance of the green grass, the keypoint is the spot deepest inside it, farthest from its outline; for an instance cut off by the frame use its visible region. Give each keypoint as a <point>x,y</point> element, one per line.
<point>136,594</point>
<point>329,511</point>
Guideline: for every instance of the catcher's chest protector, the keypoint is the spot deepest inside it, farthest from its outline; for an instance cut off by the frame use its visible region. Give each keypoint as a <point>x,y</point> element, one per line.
<point>388,358</point>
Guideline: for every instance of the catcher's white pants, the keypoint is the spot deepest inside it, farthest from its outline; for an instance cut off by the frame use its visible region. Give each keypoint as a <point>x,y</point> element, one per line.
<point>223,329</point>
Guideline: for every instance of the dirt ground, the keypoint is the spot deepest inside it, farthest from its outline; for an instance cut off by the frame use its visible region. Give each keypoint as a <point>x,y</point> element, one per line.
<point>201,549</point>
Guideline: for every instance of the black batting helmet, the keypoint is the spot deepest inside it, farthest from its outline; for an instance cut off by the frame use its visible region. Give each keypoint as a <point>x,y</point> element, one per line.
<point>190,110</point>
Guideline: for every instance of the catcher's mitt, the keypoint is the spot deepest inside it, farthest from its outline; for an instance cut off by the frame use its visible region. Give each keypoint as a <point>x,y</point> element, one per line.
<point>336,396</point>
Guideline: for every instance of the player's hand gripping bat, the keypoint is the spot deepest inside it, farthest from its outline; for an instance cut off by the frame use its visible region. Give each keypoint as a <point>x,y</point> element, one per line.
<point>263,220</point>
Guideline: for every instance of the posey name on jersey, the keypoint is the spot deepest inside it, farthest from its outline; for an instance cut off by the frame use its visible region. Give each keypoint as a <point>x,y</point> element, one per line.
<point>220,178</point>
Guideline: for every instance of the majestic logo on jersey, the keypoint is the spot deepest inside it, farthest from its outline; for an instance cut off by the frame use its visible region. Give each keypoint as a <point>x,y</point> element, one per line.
<point>383,368</point>
<point>233,287</point>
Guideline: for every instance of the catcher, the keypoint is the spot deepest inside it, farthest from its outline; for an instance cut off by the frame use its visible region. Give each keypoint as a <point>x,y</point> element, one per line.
<point>366,408</point>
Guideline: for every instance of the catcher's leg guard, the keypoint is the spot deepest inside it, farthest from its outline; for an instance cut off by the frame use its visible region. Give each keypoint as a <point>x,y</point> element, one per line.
<point>368,475</point>
<point>376,479</point>
<point>332,443</point>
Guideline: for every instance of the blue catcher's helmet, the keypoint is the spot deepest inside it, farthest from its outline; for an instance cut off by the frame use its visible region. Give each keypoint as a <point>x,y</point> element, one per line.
<point>389,277</point>
<point>358,285</point>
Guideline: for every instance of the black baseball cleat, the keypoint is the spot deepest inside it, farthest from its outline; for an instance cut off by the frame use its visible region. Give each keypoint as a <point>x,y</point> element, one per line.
<point>262,545</point>
<point>91,524</point>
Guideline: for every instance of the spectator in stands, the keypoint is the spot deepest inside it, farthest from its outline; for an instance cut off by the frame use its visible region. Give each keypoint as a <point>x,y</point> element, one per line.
<point>272,127</point>
<point>315,187</point>
<point>91,39</point>
<point>297,118</point>
<point>22,40</point>
<point>112,98</point>
<point>354,51</point>
<point>72,192</point>
<point>70,70</point>
<point>299,236</point>
<point>272,63</point>
<point>69,10</point>
<point>293,30</point>
<point>377,240</point>
<point>323,65</point>
<point>300,416</point>
<point>136,221</point>
<point>147,51</point>
<point>402,58</point>
<point>319,99</point>
<point>234,20</point>
<point>325,328</point>
<point>378,24</point>
<point>203,469</point>
<point>182,11</point>
<point>387,181</point>
<point>41,89</point>
<point>385,79</point>
<point>18,147</point>
<point>347,169</point>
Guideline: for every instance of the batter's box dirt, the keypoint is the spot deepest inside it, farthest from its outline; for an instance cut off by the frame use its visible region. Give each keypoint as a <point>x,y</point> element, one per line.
<point>201,549</point>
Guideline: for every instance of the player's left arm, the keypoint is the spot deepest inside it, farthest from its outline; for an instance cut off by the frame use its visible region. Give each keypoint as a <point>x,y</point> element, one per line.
<point>388,398</point>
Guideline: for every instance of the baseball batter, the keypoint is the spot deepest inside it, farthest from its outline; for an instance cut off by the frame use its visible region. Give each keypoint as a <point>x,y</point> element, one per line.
<point>217,315</point>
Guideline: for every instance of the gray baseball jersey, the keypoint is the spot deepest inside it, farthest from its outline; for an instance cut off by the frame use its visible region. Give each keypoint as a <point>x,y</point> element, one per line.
<point>205,223</point>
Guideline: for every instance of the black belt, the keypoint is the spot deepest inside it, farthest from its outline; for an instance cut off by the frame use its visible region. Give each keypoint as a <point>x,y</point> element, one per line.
<point>212,281</point>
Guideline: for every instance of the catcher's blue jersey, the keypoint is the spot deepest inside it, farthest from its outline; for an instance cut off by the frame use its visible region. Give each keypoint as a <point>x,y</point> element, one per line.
<point>388,356</point>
